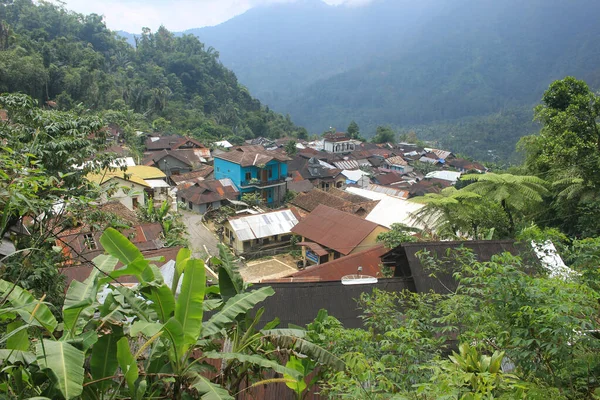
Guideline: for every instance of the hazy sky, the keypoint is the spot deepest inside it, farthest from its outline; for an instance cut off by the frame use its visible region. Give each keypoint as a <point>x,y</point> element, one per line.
<point>176,15</point>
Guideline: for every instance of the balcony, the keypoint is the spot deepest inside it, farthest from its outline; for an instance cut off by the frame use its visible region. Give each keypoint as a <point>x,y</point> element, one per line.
<point>257,183</point>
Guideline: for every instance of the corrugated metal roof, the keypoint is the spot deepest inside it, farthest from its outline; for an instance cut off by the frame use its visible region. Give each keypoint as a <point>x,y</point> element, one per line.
<point>346,164</point>
<point>334,229</point>
<point>390,209</point>
<point>443,154</point>
<point>444,175</point>
<point>403,194</point>
<point>263,225</point>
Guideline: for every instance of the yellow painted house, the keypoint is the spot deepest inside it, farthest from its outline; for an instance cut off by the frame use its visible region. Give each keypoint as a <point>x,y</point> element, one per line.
<point>131,184</point>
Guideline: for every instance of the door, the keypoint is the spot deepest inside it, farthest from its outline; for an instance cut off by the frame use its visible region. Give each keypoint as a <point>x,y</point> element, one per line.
<point>264,175</point>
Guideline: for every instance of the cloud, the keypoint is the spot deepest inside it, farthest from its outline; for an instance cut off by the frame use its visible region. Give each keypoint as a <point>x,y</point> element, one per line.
<point>176,15</point>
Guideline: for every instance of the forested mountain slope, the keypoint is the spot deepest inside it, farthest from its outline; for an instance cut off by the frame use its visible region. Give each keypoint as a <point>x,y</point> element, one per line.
<point>446,68</point>
<point>167,83</point>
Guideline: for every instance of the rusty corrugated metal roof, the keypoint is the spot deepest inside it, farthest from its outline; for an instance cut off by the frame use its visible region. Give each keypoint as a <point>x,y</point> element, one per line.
<point>369,260</point>
<point>334,229</point>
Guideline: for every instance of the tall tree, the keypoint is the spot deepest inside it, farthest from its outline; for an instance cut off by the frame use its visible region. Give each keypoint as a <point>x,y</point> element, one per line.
<point>514,193</point>
<point>353,130</point>
<point>384,134</point>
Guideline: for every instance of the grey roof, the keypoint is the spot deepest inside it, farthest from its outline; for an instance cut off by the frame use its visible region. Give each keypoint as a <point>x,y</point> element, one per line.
<point>263,225</point>
<point>298,303</point>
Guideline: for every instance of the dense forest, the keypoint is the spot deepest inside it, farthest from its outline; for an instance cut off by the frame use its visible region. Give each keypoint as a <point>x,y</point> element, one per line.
<point>447,69</point>
<point>166,83</point>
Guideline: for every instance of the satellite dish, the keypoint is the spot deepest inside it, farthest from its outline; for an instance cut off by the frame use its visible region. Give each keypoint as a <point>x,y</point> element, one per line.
<point>358,280</point>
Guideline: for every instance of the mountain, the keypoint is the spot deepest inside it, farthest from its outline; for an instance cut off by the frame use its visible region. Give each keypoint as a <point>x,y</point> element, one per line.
<point>167,84</point>
<point>449,69</point>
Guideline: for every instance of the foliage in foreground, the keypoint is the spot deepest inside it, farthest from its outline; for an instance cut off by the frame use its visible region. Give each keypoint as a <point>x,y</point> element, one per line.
<point>540,329</point>
<point>148,341</point>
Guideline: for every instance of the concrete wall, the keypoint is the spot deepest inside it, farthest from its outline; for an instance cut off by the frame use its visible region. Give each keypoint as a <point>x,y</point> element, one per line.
<point>125,193</point>
<point>199,208</point>
<point>227,169</point>
<point>370,240</point>
<point>338,147</point>
<point>173,164</point>
<point>279,170</point>
<point>239,247</point>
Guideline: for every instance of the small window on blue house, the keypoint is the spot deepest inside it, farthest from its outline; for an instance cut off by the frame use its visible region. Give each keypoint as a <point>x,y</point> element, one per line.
<point>270,173</point>
<point>217,168</point>
<point>248,176</point>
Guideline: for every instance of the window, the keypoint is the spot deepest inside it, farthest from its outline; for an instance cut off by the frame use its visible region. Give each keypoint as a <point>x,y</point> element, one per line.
<point>248,176</point>
<point>89,242</point>
<point>190,205</point>
<point>270,173</point>
<point>134,202</point>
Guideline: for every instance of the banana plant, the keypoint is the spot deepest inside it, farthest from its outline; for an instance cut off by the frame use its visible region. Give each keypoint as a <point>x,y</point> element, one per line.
<point>152,340</point>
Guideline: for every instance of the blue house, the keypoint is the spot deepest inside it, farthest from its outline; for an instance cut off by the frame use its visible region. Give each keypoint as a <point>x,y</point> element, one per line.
<point>254,169</point>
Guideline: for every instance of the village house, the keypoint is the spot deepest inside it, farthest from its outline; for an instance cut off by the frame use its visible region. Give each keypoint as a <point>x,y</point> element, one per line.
<point>357,177</point>
<point>366,263</point>
<point>175,154</point>
<point>328,234</point>
<point>449,176</point>
<point>305,203</point>
<point>254,232</point>
<point>399,164</point>
<point>204,173</point>
<point>253,169</point>
<point>81,242</point>
<point>132,184</point>
<point>338,143</point>
<point>203,196</point>
<point>320,173</point>
<point>463,165</point>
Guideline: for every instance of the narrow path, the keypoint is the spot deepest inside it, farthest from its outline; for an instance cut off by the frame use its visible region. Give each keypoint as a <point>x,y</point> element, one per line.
<point>199,235</point>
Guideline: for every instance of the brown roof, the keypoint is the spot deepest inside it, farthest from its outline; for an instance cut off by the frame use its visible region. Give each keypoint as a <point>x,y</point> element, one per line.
<point>351,197</point>
<point>311,200</point>
<point>80,273</point>
<point>190,157</point>
<point>117,149</point>
<point>204,192</point>
<point>315,247</point>
<point>335,229</point>
<point>247,156</point>
<point>465,164</point>
<point>425,186</point>
<point>203,172</point>
<point>336,137</point>
<point>334,198</point>
<point>300,186</point>
<point>81,245</point>
<point>389,179</point>
<point>397,160</point>
<point>369,260</point>
<point>171,143</point>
